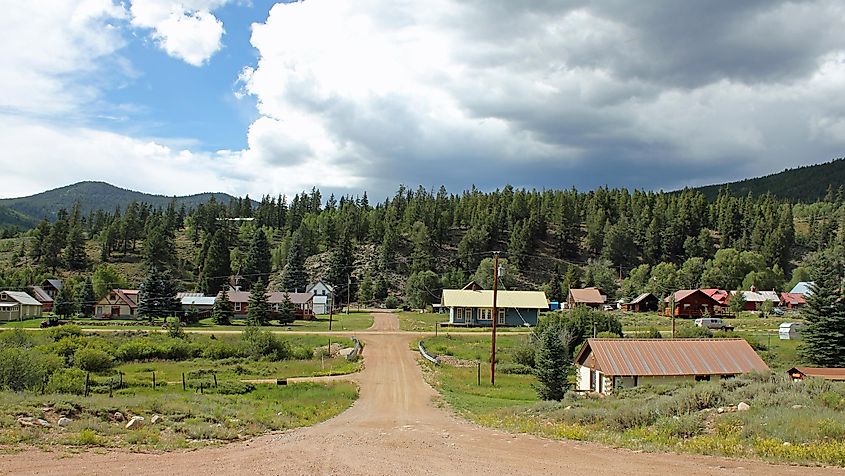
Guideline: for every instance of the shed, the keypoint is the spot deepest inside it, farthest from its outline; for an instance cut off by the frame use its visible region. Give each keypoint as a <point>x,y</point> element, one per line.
<point>604,365</point>
<point>829,373</point>
<point>643,303</point>
<point>790,330</point>
<point>592,297</point>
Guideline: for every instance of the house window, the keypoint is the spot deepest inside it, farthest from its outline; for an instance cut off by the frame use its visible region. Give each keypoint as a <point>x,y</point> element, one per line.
<point>237,306</point>
<point>501,316</point>
<point>459,314</point>
<point>485,314</point>
<point>702,378</point>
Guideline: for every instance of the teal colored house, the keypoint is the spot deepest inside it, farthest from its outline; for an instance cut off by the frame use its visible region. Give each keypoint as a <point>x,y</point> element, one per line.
<point>469,307</point>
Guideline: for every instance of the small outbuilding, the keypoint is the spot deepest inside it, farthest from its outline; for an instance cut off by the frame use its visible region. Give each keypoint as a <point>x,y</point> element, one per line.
<point>643,303</point>
<point>592,297</point>
<point>790,330</point>
<point>18,306</point>
<point>829,373</point>
<point>606,365</point>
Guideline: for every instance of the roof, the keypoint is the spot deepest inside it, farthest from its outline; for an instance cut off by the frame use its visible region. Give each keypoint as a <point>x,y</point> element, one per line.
<point>685,293</point>
<point>197,300</point>
<point>831,373</point>
<point>641,297</point>
<point>8,304</point>
<point>793,298</point>
<point>760,296</point>
<point>484,298</point>
<point>473,286</point>
<point>791,325</point>
<point>56,283</point>
<point>319,281</point>
<point>184,295</point>
<point>587,296</point>
<point>22,298</point>
<point>803,287</point>
<point>275,297</point>
<point>670,357</point>
<point>128,296</point>
<point>40,294</point>
<point>718,294</point>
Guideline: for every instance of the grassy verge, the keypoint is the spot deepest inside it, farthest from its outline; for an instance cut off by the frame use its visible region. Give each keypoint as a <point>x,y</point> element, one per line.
<point>425,322</point>
<point>787,422</point>
<point>188,419</point>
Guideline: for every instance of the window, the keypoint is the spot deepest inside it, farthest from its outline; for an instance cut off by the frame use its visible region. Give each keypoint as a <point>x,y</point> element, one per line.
<point>501,316</point>
<point>237,306</point>
<point>459,314</point>
<point>485,314</point>
<point>702,378</point>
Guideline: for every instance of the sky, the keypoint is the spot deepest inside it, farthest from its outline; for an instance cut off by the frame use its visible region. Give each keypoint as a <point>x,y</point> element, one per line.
<point>258,97</point>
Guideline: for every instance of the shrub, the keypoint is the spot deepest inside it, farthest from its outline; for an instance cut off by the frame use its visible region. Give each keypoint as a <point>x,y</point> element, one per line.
<point>15,338</point>
<point>93,360</point>
<point>515,369</point>
<point>524,355</point>
<point>692,399</point>
<point>262,344</point>
<point>233,388</point>
<point>25,368</point>
<point>67,381</point>
<point>692,332</point>
<point>302,353</point>
<point>137,349</point>
<point>652,333</point>
<point>392,302</point>
<point>218,350</point>
<point>684,426</point>
<point>68,330</point>
<point>630,416</point>
<point>584,416</point>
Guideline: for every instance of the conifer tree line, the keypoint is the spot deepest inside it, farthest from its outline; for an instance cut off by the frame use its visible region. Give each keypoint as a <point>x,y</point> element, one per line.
<point>416,242</point>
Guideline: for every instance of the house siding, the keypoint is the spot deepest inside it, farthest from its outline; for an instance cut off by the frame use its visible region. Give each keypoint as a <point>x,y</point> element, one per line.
<point>513,317</point>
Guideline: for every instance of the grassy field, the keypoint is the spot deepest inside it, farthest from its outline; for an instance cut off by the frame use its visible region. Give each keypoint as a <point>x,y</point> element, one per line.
<point>52,372</point>
<point>794,423</point>
<point>425,322</point>
<point>189,419</point>
<point>355,321</point>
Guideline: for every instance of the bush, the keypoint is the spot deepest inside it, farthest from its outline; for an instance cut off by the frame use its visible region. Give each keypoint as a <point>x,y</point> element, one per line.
<point>93,360</point>
<point>262,344</point>
<point>217,350</point>
<point>391,302</point>
<point>15,338</point>
<point>137,349</point>
<point>68,330</point>
<point>652,333</point>
<point>302,353</point>
<point>524,355</point>
<point>67,381</point>
<point>515,369</point>
<point>22,369</point>
<point>233,388</point>
<point>692,332</point>
<point>630,416</point>
<point>684,426</point>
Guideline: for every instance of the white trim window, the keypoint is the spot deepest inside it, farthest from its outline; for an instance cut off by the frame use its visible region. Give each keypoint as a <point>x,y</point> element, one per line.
<point>485,314</point>
<point>501,315</point>
<point>237,306</point>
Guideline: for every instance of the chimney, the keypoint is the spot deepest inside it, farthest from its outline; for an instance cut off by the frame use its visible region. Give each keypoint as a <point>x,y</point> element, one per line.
<point>753,288</point>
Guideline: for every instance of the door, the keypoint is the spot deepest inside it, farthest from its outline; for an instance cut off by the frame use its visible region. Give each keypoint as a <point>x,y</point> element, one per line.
<point>115,311</point>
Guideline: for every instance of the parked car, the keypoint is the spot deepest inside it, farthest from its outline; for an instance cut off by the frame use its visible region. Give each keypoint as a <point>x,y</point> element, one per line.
<point>777,311</point>
<point>713,323</point>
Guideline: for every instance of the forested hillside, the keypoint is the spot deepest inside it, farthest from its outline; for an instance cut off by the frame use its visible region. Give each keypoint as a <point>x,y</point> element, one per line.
<point>806,184</point>
<point>91,196</point>
<point>419,241</point>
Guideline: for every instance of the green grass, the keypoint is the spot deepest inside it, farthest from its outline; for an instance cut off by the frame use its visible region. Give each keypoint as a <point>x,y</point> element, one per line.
<point>189,420</point>
<point>470,347</point>
<point>425,322</point>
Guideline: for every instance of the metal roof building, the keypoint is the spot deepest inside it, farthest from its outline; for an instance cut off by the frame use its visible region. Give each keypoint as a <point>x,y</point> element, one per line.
<point>468,307</point>
<point>605,364</point>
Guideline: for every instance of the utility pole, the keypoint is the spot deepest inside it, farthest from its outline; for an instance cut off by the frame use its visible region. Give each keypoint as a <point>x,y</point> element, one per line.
<point>495,317</point>
<point>331,313</point>
<point>672,311</point>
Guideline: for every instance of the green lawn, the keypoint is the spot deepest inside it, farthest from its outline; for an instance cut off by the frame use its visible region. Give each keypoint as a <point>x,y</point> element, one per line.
<point>425,322</point>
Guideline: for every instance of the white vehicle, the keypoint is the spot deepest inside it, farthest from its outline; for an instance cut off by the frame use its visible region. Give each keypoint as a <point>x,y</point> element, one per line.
<point>713,323</point>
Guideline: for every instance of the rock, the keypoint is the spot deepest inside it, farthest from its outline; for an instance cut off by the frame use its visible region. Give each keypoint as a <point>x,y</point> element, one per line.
<point>43,422</point>
<point>743,407</point>
<point>786,443</point>
<point>118,416</point>
<point>26,421</point>
<point>796,407</point>
<point>155,419</point>
<point>135,423</point>
<point>720,410</point>
<point>64,421</point>
<point>345,352</point>
<point>568,407</point>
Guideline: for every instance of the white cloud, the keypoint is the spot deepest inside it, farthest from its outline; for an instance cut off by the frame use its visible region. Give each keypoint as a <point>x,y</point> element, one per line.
<point>186,30</point>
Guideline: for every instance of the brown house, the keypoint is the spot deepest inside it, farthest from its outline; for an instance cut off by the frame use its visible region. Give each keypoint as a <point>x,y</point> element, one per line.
<point>831,373</point>
<point>692,303</point>
<point>118,304</point>
<point>593,297</point>
<point>302,302</point>
<point>793,300</point>
<point>41,295</point>
<point>643,303</point>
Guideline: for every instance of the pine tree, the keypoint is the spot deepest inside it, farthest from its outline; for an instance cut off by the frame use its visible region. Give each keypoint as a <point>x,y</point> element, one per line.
<point>552,362</point>
<point>294,277</point>
<point>421,256</point>
<point>340,266</point>
<point>159,250</point>
<point>286,312</point>
<point>217,268</point>
<point>365,290</point>
<point>64,302</point>
<point>158,296</point>
<point>258,313</point>
<point>74,254</point>
<point>222,313</point>
<point>257,264</point>
<point>380,289</point>
<point>85,298</point>
<point>737,302</point>
<point>824,336</point>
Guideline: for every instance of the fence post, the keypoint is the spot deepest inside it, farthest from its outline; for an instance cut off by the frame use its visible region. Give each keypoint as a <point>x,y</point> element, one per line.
<point>478,373</point>
<point>111,386</point>
<point>154,380</point>
<point>87,383</point>
<point>121,378</point>
<point>183,381</point>
<point>215,379</point>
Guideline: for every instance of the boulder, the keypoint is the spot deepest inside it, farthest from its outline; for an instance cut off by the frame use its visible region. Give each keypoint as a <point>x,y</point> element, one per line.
<point>26,421</point>
<point>64,421</point>
<point>118,416</point>
<point>155,419</point>
<point>743,407</point>
<point>796,407</point>
<point>43,422</point>
<point>345,352</point>
<point>135,423</point>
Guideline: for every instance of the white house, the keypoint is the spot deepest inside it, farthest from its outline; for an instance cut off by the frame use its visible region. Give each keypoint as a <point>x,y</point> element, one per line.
<point>605,365</point>
<point>323,296</point>
<point>18,305</point>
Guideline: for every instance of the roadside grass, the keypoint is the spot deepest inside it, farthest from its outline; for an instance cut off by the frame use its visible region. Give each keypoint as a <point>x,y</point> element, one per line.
<point>746,321</point>
<point>189,419</point>
<point>797,423</point>
<point>426,321</point>
<point>355,321</point>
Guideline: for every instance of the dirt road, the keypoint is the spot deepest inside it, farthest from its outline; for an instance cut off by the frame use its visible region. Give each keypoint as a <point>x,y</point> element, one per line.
<point>392,429</point>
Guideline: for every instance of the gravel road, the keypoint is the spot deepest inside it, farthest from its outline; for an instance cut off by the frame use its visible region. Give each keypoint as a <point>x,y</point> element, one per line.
<point>392,429</point>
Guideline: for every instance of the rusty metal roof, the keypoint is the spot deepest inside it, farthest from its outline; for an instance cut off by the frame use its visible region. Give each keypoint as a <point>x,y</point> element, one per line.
<point>670,357</point>
<point>830,373</point>
<point>587,296</point>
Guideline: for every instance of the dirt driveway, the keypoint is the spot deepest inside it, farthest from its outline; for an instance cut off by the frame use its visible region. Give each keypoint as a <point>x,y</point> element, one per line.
<point>393,429</point>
